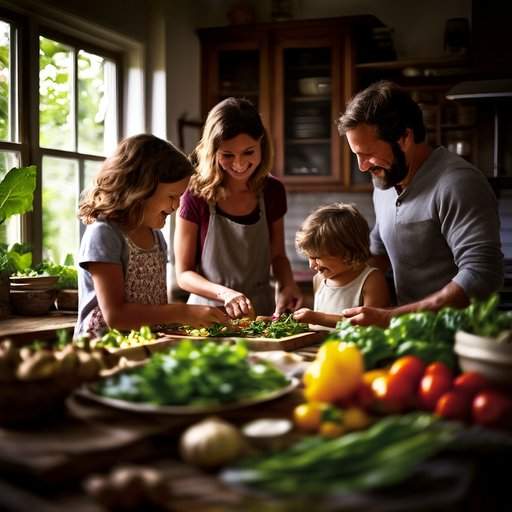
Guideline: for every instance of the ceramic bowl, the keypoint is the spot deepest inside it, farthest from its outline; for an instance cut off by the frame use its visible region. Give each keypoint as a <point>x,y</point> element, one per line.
<point>32,302</point>
<point>33,283</point>
<point>315,86</point>
<point>491,357</point>
<point>67,300</point>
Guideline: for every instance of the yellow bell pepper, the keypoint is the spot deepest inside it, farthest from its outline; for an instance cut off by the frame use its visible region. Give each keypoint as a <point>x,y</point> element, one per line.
<point>335,374</point>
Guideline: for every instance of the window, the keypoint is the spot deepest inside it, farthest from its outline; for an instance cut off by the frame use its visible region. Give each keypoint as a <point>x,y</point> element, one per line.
<point>9,128</point>
<point>61,114</point>
<point>78,126</point>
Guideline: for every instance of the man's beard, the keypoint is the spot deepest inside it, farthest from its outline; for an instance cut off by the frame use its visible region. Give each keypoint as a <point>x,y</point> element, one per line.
<point>395,174</point>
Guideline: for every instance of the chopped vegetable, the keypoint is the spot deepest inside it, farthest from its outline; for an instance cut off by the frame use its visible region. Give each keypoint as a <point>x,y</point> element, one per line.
<point>279,328</point>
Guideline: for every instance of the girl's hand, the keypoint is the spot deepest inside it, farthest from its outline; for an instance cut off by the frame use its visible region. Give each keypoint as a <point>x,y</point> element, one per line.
<point>237,304</point>
<point>203,316</point>
<point>288,298</point>
<point>304,315</point>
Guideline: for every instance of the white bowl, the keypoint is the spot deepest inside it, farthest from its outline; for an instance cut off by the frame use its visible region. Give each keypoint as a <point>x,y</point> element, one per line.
<point>315,86</point>
<point>489,357</point>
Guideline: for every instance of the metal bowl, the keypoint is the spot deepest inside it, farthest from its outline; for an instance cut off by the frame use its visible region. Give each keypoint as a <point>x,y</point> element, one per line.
<point>490,357</point>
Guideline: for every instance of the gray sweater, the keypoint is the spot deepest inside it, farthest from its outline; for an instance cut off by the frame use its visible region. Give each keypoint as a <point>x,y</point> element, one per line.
<point>443,227</point>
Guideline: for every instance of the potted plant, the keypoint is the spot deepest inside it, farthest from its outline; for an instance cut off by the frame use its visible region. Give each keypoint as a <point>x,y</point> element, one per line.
<point>16,197</point>
<point>67,284</point>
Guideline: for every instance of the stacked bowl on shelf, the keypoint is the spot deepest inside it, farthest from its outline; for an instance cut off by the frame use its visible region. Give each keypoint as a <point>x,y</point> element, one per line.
<point>32,295</point>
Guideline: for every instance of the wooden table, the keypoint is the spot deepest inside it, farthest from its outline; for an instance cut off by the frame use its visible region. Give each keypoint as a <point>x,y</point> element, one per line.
<point>23,329</point>
<point>43,468</point>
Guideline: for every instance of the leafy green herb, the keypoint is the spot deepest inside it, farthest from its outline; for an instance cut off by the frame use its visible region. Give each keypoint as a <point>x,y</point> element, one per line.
<point>17,191</point>
<point>485,319</point>
<point>196,374</point>
<point>382,455</point>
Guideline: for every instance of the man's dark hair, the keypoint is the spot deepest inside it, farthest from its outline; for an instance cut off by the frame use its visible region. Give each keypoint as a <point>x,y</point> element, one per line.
<point>386,106</point>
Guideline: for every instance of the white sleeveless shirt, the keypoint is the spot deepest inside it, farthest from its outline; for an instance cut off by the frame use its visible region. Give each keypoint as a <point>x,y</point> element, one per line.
<point>334,299</point>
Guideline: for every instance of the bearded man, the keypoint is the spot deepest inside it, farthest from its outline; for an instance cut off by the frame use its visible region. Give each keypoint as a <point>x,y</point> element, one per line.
<point>437,222</point>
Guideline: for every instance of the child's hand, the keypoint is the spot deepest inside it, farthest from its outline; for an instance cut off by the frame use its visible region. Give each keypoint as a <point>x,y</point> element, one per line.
<point>304,315</point>
<point>237,304</point>
<point>203,316</point>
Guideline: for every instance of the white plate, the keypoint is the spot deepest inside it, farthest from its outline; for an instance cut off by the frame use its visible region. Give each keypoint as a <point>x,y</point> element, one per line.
<point>185,409</point>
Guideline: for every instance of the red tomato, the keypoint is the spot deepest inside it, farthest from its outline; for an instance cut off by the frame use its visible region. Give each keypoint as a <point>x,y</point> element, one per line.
<point>439,368</point>
<point>454,405</point>
<point>432,386</point>
<point>387,399</point>
<point>491,408</point>
<point>407,371</point>
<point>364,396</point>
<point>471,383</point>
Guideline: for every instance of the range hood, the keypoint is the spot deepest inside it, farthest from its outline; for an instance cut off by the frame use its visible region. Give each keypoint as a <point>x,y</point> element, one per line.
<point>494,91</point>
<point>481,89</point>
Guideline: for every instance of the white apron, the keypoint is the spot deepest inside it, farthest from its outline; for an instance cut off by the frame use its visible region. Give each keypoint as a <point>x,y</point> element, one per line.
<point>238,256</point>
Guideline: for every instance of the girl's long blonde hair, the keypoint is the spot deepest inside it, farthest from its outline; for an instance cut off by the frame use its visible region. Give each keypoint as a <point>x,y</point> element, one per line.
<point>229,118</point>
<point>129,177</point>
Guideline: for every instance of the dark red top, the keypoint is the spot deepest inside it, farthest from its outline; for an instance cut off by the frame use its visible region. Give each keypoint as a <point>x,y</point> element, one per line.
<point>195,209</point>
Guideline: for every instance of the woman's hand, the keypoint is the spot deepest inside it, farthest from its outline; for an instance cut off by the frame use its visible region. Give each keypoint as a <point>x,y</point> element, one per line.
<point>237,304</point>
<point>305,315</point>
<point>289,298</point>
<point>203,316</point>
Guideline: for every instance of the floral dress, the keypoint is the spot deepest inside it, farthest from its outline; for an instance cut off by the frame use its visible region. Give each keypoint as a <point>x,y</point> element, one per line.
<point>145,282</point>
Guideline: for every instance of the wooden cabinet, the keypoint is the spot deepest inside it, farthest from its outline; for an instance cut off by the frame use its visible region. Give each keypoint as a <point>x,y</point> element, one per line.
<point>300,74</point>
<point>448,123</point>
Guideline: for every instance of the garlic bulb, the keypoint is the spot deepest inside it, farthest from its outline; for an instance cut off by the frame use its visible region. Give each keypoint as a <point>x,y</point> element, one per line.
<point>211,443</point>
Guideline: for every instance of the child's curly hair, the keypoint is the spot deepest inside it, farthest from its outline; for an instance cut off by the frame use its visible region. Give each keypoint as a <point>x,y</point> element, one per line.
<point>337,229</point>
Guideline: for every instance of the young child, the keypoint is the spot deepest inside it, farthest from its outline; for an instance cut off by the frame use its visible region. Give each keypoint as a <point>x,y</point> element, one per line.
<point>229,231</point>
<point>335,238</point>
<point>123,255</point>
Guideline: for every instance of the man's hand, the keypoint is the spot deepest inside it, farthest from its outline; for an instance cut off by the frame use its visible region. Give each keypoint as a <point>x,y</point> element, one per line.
<point>366,315</point>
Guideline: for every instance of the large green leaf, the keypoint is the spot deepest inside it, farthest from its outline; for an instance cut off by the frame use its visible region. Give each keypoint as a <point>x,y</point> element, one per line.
<point>17,191</point>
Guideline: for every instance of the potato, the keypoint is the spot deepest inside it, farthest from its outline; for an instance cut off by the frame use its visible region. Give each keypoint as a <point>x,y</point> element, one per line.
<point>88,367</point>
<point>68,360</point>
<point>41,365</point>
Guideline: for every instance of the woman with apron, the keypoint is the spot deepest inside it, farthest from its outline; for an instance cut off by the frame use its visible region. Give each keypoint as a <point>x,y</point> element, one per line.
<point>230,231</point>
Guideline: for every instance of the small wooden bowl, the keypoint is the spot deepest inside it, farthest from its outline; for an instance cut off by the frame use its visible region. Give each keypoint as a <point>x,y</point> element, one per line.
<point>32,302</point>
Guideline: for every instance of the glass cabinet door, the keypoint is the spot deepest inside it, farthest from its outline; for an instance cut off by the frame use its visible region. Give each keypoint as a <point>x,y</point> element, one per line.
<point>312,79</point>
<point>239,74</point>
<point>307,111</point>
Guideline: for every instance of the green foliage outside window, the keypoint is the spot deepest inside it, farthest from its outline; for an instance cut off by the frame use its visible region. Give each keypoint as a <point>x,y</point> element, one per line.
<point>4,82</point>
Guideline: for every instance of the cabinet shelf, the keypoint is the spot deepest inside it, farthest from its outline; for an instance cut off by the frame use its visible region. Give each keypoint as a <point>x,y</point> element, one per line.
<point>302,142</point>
<point>309,99</point>
<point>238,92</point>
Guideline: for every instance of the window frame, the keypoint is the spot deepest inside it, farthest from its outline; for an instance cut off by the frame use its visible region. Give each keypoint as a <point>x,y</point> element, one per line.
<point>29,28</point>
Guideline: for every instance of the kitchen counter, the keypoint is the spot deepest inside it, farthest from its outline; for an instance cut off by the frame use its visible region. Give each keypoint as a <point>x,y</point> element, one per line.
<point>23,329</point>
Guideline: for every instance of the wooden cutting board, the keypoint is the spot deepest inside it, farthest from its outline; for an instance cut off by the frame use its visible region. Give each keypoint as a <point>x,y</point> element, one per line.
<point>288,343</point>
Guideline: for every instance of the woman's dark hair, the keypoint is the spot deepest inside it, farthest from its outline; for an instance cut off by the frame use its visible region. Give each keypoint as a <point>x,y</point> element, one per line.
<point>386,106</point>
